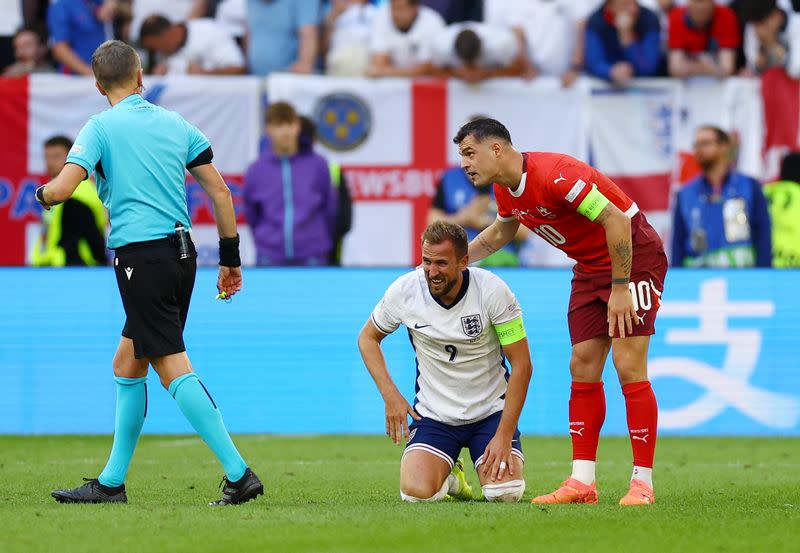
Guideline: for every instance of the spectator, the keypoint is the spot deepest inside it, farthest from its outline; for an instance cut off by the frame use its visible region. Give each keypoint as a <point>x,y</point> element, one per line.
<point>784,209</point>
<point>232,15</point>
<point>344,213</point>
<point>30,53</point>
<point>771,38</point>
<point>10,21</point>
<point>345,37</point>
<point>553,31</point>
<point>623,41</point>
<point>198,47</point>
<point>73,233</point>
<point>721,217</point>
<point>401,41</point>
<point>174,10</point>
<point>477,51</point>
<point>77,28</point>
<point>282,35</point>
<point>703,39</point>
<point>661,8</point>
<point>289,200</point>
<point>457,11</point>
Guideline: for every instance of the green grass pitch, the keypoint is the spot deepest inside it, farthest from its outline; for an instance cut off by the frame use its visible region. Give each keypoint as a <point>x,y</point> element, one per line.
<point>339,493</point>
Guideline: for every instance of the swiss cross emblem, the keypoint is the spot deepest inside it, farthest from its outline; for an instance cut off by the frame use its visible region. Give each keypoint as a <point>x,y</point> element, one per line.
<point>472,325</point>
<point>546,212</point>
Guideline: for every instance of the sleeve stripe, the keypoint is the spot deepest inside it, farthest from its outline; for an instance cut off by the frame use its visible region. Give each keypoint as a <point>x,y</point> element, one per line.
<point>379,327</point>
<point>504,219</point>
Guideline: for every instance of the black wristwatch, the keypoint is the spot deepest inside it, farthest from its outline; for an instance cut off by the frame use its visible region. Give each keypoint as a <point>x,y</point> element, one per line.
<point>40,196</point>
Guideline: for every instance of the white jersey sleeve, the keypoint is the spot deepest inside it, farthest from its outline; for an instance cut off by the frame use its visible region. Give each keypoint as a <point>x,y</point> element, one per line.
<point>388,314</point>
<point>501,304</point>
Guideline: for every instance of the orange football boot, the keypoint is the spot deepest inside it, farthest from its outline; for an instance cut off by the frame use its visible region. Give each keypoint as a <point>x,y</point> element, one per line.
<point>571,491</point>
<point>638,494</point>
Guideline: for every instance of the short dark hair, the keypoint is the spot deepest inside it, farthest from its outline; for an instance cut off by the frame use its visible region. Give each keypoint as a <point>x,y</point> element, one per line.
<point>115,63</point>
<point>468,46</point>
<point>58,140</point>
<point>482,129</point>
<point>755,11</point>
<point>279,113</point>
<point>442,231</point>
<point>154,25</point>
<point>721,135</point>
<point>790,167</point>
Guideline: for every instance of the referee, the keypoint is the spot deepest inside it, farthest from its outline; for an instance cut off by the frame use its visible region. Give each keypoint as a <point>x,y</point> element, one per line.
<point>139,153</point>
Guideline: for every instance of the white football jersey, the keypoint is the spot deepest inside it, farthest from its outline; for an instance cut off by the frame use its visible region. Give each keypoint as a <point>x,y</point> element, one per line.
<point>461,370</point>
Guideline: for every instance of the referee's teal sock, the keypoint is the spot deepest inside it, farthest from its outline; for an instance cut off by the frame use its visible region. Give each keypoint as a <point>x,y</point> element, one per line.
<point>200,410</point>
<point>131,410</point>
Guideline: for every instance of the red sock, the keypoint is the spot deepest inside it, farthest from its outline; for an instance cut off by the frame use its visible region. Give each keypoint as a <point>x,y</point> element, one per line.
<point>587,412</point>
<point>640,402</point>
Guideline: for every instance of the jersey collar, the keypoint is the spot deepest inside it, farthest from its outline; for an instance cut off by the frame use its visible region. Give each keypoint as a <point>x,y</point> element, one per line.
<point>521,188</point>
<point>461,293</point>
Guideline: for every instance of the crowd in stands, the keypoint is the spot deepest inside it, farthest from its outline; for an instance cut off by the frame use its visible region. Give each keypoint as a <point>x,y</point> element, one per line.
<point>615,40</point>
<point>298,205</point>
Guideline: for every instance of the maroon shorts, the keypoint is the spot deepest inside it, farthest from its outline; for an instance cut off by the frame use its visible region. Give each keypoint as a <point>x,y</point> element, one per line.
<point>588,302</point>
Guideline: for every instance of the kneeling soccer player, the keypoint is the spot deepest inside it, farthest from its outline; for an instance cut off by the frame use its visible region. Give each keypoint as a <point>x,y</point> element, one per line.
<point>463,323</point>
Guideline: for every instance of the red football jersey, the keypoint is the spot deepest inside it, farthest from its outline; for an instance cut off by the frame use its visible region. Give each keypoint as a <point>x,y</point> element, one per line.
<point>547,200</point>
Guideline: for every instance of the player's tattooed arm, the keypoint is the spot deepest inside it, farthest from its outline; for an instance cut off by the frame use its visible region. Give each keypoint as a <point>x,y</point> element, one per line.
<point>492,238</point>
<point>483,242</point>
<point>625,259</point>
<point>617,226</point>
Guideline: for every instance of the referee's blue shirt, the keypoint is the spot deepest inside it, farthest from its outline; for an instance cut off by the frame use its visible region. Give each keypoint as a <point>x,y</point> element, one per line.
<point>139,153</point>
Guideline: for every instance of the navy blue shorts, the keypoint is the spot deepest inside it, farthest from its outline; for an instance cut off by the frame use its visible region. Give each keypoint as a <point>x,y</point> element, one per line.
<point>446,441</point>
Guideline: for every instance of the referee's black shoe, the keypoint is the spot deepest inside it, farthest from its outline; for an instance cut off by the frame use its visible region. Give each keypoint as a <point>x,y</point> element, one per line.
<point>243,490</point>
<point>92,491</point>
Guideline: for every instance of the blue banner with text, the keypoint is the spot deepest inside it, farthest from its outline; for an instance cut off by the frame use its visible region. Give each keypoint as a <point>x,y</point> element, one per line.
<point>282,356</point>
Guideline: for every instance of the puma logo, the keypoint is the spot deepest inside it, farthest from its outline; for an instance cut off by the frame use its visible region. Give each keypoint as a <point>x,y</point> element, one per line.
<point>559,179</point>
<point>578,432</point>
<point>642,438</point>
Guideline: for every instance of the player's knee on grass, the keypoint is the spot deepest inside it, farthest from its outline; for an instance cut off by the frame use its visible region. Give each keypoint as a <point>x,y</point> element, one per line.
<point>414,493</point>
<point>505,492</point>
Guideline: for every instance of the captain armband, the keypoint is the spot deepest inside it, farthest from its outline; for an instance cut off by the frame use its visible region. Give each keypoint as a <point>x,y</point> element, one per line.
<point>593,204</point>
<point>510,332</point>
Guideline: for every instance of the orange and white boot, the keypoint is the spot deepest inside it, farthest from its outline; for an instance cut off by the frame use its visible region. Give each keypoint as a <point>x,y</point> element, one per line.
<point>571,491</point>
<point>638,494</point>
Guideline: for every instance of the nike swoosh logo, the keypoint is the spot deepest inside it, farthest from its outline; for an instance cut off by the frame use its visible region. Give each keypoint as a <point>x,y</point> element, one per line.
<point>418,326</point>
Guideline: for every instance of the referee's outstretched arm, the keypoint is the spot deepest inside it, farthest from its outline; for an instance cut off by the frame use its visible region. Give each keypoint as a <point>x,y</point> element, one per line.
<point>230,272</point>
<point>61,188</point>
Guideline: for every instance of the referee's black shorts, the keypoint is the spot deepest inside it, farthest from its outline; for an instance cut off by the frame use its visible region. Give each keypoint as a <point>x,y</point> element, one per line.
<point>156,288</point>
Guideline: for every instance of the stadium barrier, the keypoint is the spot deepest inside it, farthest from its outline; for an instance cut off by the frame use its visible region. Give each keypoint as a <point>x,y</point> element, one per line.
<point>282,356</point>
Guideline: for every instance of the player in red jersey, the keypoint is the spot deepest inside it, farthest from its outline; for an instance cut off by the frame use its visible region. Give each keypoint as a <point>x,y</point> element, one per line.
<point>616,287</point>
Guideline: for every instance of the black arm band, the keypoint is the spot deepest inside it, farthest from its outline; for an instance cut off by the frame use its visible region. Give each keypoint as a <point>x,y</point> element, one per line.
<point>229,252</point>
<point>203,158</point>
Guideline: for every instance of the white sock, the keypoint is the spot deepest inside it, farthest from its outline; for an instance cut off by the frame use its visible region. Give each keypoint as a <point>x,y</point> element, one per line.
<point>583,471</point>
<point>644,474</point>
<point>452,484</point>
